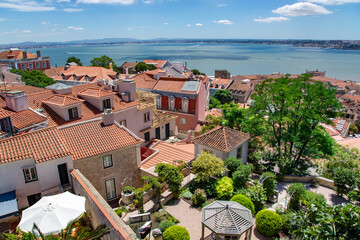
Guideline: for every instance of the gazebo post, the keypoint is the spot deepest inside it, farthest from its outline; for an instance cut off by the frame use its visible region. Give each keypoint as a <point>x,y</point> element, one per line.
<point>202,231</point>
<point>250,231</point>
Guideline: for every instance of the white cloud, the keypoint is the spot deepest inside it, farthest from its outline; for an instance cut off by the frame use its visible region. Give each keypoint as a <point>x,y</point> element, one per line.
<point>45,23</point>
<point>199,24</point>
<point>75,28</point>
<point>148,1</point>
<point>227,22</point>
<point>271,19</point>
<point>165,23</point>
<point>72,9</point>
<point>222,5</point>
<point>26,6</point>
<point>123,2</point>
<point>301,9</point>
<point>333,2</point>
<point>2,19</point>
<point>188,25</point>
<point>129,29</point>
<point>59,1</point>
<point>26,31</point>
<point>17,31</point>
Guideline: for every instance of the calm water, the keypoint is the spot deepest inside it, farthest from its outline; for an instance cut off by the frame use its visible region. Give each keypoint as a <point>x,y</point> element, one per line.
<point>236,58</point>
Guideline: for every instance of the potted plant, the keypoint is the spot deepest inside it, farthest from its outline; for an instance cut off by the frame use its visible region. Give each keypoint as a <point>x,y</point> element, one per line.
<point>127,195</point>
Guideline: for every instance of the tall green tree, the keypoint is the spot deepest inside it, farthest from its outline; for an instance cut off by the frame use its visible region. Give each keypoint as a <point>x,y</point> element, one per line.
<point>103,61</point>
<point>197,72</point>
<point>291,111</point>
<point>141,66</point>
<point>206,165</point>
<point>171,175</point>
<point>75,60</point>
<point>34,78</point>
<point>223,96</point>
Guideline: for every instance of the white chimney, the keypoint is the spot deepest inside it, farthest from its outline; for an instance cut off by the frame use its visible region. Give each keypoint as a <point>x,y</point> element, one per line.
<point>16,101</point>
<point>110,66</point>
<point>108,117</point>
<point>188,137</point>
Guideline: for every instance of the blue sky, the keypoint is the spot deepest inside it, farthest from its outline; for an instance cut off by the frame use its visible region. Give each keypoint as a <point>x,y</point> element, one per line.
<point>63,20</point>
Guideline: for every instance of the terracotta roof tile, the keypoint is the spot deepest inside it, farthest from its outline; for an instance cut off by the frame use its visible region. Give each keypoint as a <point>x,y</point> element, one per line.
<point>26,119</point>
<point>94,73</point>
<point>27,89</point>
<point>62,100</point>
<point>16,54</point>
<point>96,92</point>
<point>169,153</point>
<point>218,82</point>
<point>157,63</point>
<point>42,145</point>
<point>224,139</point>
<point>144,80</point>
<point>89,138</point>
<point>169,84</point>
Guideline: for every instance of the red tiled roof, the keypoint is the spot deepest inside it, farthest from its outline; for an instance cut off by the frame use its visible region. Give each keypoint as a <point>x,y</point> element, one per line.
<point>42,145</point>
<point>62,100</point>
<point>351,97</point>
<point>27,89</point>
<point>169,153</point>
<point>16,54</point>
<point>96,92</point>
<point>223,138</point>
<point>26,119</point>
<point>169,84</point>
<point>157,63</point>
<point>94,73</point>
<point>128,64</point>
<point>91,137</point>
<point>144,80</point>
<point>220,82</point>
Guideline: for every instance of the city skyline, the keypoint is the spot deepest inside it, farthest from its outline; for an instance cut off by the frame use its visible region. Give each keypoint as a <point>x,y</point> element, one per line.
<point>66,20</point>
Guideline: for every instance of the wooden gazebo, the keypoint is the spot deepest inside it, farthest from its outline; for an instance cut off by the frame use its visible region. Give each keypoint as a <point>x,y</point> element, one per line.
<point>227,220</point>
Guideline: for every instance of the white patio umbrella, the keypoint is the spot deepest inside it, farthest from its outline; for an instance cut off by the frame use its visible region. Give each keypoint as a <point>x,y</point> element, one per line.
<point>53,213</point>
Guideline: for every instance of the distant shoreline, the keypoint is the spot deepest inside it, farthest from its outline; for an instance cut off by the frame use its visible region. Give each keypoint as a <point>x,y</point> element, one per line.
<point>327,44</point>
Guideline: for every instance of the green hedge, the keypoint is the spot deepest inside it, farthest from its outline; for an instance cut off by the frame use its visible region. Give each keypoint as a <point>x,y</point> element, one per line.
<point>176,233</point>
<point>165,225</point>
<point>245,201</point>
<point>224,188</point>
<point>268,222</point>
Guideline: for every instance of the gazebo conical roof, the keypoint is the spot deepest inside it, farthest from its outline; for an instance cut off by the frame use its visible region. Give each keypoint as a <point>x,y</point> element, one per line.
<point>227,218</point>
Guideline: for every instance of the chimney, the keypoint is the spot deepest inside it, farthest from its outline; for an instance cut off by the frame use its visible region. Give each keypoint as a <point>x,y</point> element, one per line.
<point>117,76</point>
<point>127,71</point>
<point>188,137</point>
<point>110,66</point>
<point>127,86</point>
<point>16,101</point>
<point>38,54</point>
<point>24,55</point>
<point>108,117</point>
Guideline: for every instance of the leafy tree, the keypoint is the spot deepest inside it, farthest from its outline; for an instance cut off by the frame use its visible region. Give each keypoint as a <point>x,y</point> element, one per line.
<point>75,60</point>
<point>34,78</point>
<point>197,72</point>
<point>296,192</point>
<point>327,222</point>
<point>172,176</point>
<point>198,198</point>
<point>269,183</point>
<point>207,165</point>
<point>353,128</point>
<point>210,123</point>
<point>257,195</point>
<point>345,180</point>
<point>232,164</point>
<point>223,96</point>
<point>141,66</point>
<point>214,103</point>
<point>241,176</point>
<point>291,111</point>
<point>103,61</point>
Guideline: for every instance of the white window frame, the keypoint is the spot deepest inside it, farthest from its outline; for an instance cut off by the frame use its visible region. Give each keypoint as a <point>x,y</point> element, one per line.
<point>30,174</point>
<point>23,66</point>
<point>72,110</point>
<point>110,189</point>
<point>107,161</point>
<point>146,116</point>
<point>107,100</point>
<point>44,64</point>
<point>185,104</point>
<point>171,103</point>
<point>30,66</point>
<point>183,121</point>
<point>158,101</point>
<point>37,65</point>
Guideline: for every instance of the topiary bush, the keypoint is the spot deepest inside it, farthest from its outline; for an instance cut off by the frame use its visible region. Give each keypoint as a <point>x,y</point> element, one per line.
<point>296,191</point>
<point>245,201</point>
<point>268,222</point>
<point>176,233</point>
<point>232,163</point>
<point>224,188</point>
<point>165,225</point>
<point>198,198</point>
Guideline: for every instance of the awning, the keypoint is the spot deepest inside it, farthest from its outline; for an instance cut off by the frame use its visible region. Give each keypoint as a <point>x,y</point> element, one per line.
<point>8,204</point>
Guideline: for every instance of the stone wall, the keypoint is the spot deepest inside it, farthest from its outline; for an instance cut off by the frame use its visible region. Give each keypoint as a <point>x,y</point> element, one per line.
<point>124,165</point>
<point>99,210</point>
<point>321,180</point>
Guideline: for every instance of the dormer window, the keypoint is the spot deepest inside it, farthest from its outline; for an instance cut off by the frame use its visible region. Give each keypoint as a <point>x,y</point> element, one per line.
<point>74,76</point>
<point>63,76</point>
<point>73,113</point>
<point>106,103</point>
<point>211,85</point>
<point>216,85</point>
<point>86,78</point>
